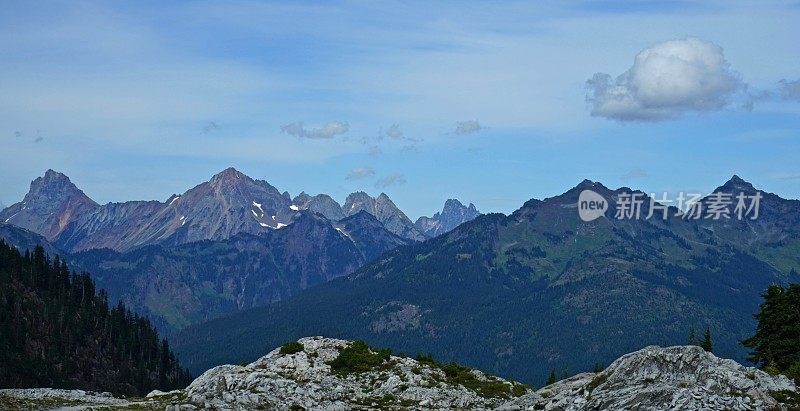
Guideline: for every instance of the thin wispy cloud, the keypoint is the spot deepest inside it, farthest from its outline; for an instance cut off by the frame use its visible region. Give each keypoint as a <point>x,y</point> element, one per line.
<point>666,81</point>
<point>394,132</point>
<point>390,180</point>
<point>209,127</point>
<point>636,173</point>
<point>326,131</point>
<point>467,127</point>
<point>789,89</point>
<point>359,173</point>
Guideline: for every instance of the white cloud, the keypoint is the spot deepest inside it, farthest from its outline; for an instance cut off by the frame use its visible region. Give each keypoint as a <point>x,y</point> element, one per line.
<point>789,90</point>
<point>667,80</point>
<point>467,127</point>
<point>390,180</point>
<point>328,130</point>
<point>360,172</point>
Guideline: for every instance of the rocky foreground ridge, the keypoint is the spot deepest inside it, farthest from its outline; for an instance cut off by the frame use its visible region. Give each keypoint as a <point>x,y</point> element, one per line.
<point>309,376</point>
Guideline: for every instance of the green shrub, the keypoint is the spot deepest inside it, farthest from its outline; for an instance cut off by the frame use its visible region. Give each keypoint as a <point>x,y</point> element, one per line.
<point>457,374</point>
<point>292,347</point>
<point>786,397</point>
<point>597,380</point>
<point>794,372</point>
<point>358,357</point>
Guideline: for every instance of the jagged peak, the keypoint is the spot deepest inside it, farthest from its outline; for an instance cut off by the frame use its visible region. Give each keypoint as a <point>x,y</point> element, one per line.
<point>228,174</point>
<point>737,182</point>
<point>452,202</point>
<point>55,181</point>
<point>51,176</point>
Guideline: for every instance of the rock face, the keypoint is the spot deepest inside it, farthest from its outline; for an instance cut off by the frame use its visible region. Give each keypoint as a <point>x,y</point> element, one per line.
<point>320,203</point>
<point>453,215</point>
<point>182,285</point>
<point>655,378</point>
<point>52,202</point>
<point>385,211</point>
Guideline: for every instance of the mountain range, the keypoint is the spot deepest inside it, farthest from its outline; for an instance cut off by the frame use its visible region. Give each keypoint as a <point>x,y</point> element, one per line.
<point>228,244</point>
<point>228,204</point>
<point>539,289</point>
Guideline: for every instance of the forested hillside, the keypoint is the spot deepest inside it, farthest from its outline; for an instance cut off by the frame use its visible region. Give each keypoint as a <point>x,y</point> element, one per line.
<point>58,331</point>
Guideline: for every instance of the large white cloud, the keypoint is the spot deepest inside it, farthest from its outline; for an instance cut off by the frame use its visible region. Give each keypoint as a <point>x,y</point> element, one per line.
<point>666,81</point>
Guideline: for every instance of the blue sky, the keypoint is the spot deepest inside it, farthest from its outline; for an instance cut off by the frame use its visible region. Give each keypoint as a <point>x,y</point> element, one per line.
<point>481,101</point>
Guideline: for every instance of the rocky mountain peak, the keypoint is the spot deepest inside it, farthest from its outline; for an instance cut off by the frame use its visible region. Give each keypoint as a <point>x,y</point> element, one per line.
<point>737,184</point>
<point>53,184</point>
<point>228,176</point>
<point>384,209</point>
<point>452,215</point>
<point>50,204</point>
<point>320,203</point>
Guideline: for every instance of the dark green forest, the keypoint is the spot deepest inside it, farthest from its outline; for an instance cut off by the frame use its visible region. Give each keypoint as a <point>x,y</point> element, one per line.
<point>57,330</point>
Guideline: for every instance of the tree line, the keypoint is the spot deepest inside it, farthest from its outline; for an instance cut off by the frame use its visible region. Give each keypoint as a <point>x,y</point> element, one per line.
<point>58,330</point>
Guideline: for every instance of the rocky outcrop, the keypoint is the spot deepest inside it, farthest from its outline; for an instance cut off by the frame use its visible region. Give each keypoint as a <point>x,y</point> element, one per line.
<point>304,379</point>
<point>655,378</point>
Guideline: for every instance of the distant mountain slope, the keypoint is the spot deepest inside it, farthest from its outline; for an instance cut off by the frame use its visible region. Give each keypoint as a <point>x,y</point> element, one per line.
<point>369,235</point>
<point>186,284</point>
<point>385,211</point>
<point>58,331</point>
<point>23,239</point>
<point>520,295</point>
<point>453,214</point>
<point>52,202</point>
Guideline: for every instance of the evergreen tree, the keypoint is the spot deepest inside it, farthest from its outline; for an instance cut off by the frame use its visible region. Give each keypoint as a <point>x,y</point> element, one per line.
<point>776,343</point>
<point>551,379</point>
<point>706,343</point>
<point>692,336</point>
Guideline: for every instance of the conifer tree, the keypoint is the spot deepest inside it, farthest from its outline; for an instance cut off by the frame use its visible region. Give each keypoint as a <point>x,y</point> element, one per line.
<point>706,343</point>
<point>551,379</point>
